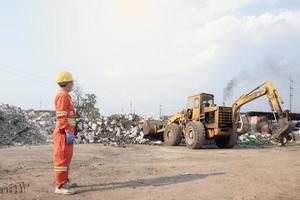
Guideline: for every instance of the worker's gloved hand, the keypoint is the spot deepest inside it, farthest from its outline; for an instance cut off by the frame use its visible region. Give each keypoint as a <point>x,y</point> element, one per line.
<point>70,137</point>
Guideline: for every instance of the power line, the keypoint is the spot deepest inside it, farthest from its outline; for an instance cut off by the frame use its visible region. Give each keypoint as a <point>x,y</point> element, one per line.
<point>24,76</point>
<point>21,73</point>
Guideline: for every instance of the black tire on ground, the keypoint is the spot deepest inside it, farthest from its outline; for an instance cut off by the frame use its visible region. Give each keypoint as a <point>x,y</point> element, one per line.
<point>195,135</point>
<point>172,135</point>
<point>227,142</point>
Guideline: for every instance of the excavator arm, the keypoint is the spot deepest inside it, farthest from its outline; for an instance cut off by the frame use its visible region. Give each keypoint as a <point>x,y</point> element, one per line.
<point>284,124</point>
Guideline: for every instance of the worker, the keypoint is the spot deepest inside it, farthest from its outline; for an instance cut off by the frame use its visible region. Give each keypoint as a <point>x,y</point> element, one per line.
<point>63,136</point>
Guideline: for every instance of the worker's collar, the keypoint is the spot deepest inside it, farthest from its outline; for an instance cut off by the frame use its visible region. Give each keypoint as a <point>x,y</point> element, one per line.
<point>63,90</point>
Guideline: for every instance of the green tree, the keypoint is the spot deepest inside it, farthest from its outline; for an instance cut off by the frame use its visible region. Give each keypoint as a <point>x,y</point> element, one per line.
<point>85,105</point>
<point>89,110</point>
<point>77,96</point>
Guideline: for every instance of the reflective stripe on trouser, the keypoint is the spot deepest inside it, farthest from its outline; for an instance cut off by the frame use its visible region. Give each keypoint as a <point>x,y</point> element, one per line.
<point>60,169</point>
<point>62,157</point>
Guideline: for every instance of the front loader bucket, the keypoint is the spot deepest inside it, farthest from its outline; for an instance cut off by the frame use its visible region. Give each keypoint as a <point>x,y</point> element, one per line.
<point>283,127</point>
<point>153,127</point>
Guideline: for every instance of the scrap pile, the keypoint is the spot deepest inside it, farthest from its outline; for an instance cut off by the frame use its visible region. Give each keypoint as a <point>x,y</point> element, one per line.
<point>255,139</point>
<point>19,127</point>
<point>115,130</point>
<point>16,129</point>
<point>44,121</point>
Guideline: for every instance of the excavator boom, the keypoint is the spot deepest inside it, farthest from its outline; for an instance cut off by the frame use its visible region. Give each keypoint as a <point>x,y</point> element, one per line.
<point>284,125</point>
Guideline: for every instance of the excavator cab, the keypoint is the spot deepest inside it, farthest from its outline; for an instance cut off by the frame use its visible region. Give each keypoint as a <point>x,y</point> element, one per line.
<point>196,105</point>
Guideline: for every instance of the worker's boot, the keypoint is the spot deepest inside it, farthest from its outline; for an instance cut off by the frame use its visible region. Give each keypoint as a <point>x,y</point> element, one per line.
<point>69,184</point>
<point>64,190</point>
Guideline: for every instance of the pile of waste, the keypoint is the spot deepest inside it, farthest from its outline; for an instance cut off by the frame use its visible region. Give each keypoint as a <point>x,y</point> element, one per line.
<point>115,130</point>
<point>255,139</point>
<point>44,120</point>
<point>16,129</point>
<point>19,127</point>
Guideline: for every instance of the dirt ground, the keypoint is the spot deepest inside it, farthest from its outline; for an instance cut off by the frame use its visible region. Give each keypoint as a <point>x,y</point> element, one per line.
<point>141,172</point>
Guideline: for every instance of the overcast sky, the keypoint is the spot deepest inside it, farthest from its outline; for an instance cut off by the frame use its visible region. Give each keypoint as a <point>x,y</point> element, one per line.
<point>149,52</point>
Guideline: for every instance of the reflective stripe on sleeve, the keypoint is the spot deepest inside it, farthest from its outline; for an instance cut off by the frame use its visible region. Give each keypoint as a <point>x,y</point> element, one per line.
<point>72,122</point>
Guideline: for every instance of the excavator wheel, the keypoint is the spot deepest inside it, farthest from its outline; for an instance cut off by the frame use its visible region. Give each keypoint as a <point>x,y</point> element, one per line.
<point>195,135</point>
<point>172,135</point>
<point>227,142</point>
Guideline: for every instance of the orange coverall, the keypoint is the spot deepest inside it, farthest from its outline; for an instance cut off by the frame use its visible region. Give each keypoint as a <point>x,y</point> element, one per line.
<point>63,152</point>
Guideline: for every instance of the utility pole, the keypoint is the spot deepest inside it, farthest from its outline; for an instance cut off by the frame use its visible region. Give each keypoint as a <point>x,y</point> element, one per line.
<point>291,87</point>
<point>130,107</point>
<point>160,111</point>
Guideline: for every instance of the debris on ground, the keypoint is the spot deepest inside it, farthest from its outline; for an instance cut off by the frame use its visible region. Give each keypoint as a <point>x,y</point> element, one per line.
<point>16,129</point>
<point>295,136</point>
<point>115,130</point>
<point>44,121</point>
<point>255,139</point>
<point>19,127</point>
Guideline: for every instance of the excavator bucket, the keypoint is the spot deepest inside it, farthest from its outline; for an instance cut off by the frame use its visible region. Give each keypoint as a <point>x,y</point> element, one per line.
<point>283,127</point>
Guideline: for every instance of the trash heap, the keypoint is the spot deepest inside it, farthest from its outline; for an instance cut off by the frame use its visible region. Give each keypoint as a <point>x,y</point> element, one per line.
<point>20,127</point>
<point>16,129</point>
<point>255,139</point>
<point>115,130</point>
<point>44,121</point>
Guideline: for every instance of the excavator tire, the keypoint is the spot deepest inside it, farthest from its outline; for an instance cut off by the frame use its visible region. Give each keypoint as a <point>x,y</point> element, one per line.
<point>172,135</point>
<point>227,142</point>
<point>195,135</point>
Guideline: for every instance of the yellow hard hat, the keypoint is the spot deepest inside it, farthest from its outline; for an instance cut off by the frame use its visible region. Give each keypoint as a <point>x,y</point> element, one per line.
<point>63,77</point>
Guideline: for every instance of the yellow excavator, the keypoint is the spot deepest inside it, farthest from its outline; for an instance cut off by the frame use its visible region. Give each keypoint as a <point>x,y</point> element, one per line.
<point>203,119</point>
<point>284,123</point>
